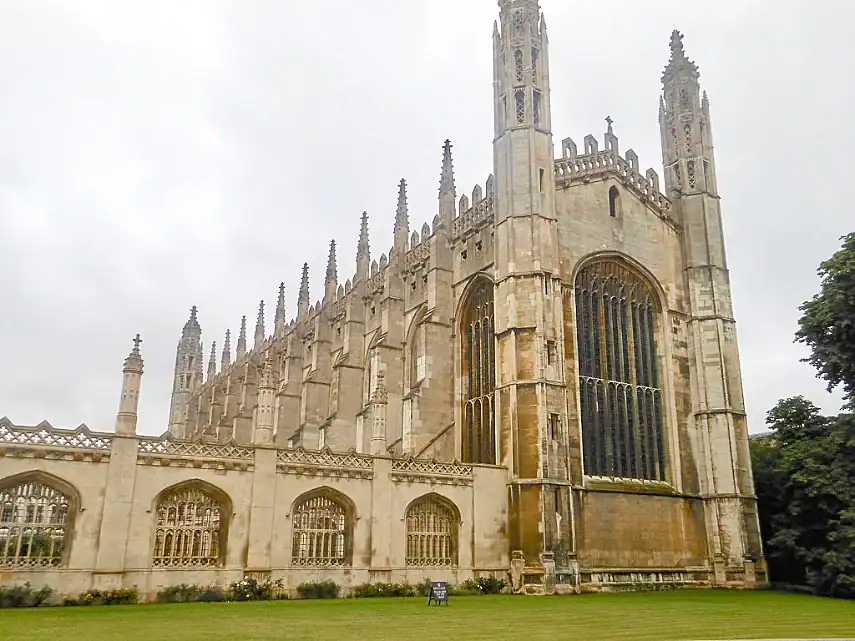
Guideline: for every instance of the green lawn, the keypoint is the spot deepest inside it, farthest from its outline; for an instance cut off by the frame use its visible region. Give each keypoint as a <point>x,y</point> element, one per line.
<point>656,616</point>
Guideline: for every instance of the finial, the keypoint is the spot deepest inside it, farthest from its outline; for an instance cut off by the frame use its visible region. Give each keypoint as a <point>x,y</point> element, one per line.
<point>241,344</point>
<point>279,319</point>
<point>138,340</point>
<point>193,322</point>
<point>705,102</point>
<point>446,182</point>
<point>609,122</point>
<point>677,44</point>
<point>332,268</point>
<point>363,247</point>
<point>259,326</point>
<point>226,358</point>
<point>212,362</point>
<point>402,217</point>
<point>304,284</point>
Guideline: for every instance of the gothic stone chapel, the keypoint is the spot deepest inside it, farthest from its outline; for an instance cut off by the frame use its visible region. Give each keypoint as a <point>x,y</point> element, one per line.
<point>541,384</point>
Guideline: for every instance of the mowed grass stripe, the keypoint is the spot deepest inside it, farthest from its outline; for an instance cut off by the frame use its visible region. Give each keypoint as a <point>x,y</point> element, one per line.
<point>661,616</point>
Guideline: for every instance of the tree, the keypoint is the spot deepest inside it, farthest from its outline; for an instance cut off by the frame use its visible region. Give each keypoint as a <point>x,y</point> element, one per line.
<point>805,480</point>
<point>827,326</point>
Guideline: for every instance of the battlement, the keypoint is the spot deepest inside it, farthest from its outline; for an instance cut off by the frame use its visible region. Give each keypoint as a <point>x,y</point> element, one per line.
<point>573,167</point>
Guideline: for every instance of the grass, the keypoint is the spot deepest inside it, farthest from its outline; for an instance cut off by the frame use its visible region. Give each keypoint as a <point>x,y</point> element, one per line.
<point>660,616</point>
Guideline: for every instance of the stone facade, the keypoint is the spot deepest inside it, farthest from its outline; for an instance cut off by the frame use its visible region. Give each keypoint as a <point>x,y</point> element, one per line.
<point>541,382</point>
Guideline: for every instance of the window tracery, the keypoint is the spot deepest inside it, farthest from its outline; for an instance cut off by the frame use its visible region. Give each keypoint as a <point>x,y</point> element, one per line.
<point>535,54</point>
<point>520,100</point>
<point>621,394</point>
<point>190,529</point>
<point>690,169</point>
<point>687,132</point>
<point>34,525</point>
<point>518,64</point>
<point>431,534</point>
<point>479,374</point>
<point>321,532</point>
<point>536,106</point>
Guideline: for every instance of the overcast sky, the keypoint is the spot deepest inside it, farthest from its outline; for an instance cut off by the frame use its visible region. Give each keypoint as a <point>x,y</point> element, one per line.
<point>157,154</point>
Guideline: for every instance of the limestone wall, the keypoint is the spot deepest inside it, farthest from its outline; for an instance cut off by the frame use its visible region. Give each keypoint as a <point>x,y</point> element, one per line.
<point>111,542</point>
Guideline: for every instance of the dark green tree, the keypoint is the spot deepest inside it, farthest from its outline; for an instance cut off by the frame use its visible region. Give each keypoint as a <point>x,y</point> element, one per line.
<point>805,475</point>
<point>827,325</point>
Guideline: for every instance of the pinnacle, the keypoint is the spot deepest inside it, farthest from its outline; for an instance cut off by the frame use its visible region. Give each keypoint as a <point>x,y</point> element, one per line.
<point>332,268</point>
<point>402,218</point>
<point>362,247</point>
<point>446,182</point>
<point>304,284</point>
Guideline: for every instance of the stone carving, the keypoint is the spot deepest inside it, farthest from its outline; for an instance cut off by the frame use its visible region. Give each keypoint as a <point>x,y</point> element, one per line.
<point>46,435</point>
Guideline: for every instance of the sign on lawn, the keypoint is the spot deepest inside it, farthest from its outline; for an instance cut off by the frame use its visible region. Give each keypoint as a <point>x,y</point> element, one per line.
<point>438,592</point>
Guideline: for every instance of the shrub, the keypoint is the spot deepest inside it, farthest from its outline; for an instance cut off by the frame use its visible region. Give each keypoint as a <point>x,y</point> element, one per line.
<point>183,593</point>
<point>491,585</point>
<point>250,589</point>
<point>318,590</point>
<point>213,594</point>
<point>24,596</point>
<point>370,590</point>
<point>120,596</point>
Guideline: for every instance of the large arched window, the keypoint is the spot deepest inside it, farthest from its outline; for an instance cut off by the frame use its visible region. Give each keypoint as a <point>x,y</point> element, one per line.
<point>432,532</point>
<point>191,527</point>
<point>322,529</point>
<point>35,527</point>
<point>479,375</point>
<point>617,315</point>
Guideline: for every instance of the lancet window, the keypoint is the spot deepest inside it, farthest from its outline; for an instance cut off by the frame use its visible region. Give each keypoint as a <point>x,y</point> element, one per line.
<point>190,529</point>
<point>479,375</point>
<point>621,391</point>
<point>431,533</point>
<point>417,353</point>
<point>34,527</point>
<point>321,533</point>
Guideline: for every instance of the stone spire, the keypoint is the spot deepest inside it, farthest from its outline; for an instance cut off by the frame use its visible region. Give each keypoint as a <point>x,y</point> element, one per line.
<point>280,320</point>
<point>331,280</point>
<point>126,419</point>
<point>188,373</point>
<point>259,327</point>
<point>241,344</point>
<point>402,220</point>
<point>303,298</point>
<point>679,66</point>
<point>363,252</point>
<point>227,352</point>
<point>266,403</point>
<point>447,191</point>
<point>212,362</point>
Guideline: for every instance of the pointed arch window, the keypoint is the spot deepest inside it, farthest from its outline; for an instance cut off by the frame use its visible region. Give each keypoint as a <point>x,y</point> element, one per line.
<point>479,376</point>
<point>35,528</point>
<point>190,528</point>
<point>322,530</point>
<point>621,391</point>
<point>432,533</point>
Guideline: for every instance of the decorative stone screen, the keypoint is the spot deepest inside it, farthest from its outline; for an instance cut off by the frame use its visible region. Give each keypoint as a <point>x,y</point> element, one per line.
<point>320,532</point>
<point>431,534</point>
<point>34,528</point>
<point>189,530</point>
<point>479,372</point>
<point>617,316</point>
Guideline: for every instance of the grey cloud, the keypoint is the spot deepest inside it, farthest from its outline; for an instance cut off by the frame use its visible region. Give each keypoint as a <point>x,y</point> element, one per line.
<point>157,155</point>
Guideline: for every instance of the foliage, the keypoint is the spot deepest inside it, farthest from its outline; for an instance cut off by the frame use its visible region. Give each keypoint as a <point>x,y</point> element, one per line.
<point>804,481</point>
<point>186,593</point>
<point>490,584</point>
<point>318,590</point>
<point>24,596</point>
<point>250,589</point>
<point>827,326</point>
<point>371,590</point>
<point>120,596</point>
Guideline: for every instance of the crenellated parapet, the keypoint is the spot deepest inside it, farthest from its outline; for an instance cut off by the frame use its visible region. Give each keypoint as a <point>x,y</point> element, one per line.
<point>573,167</point>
